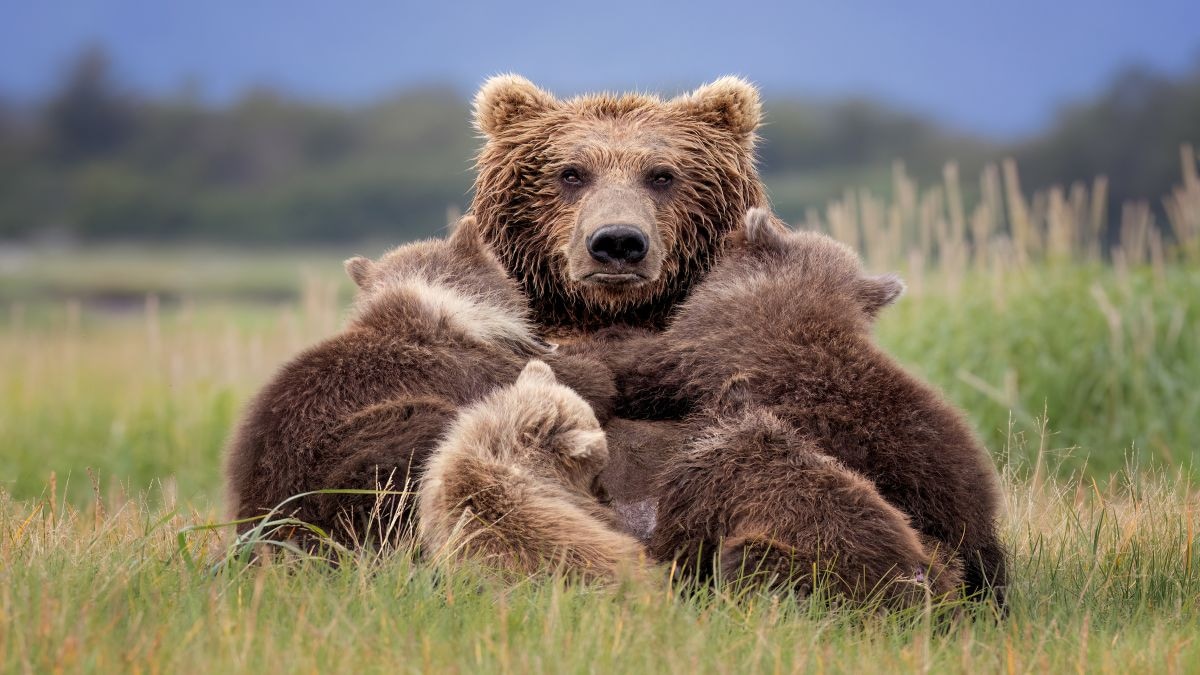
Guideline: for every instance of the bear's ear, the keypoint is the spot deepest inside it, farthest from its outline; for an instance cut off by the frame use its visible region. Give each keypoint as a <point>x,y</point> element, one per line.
<point>760,229</point>
<point>537,372</point>
<point>735,396</point>
<point>465,235</point>
<point>506,99</point>
<point>729,103</point>
<point>360,270</point>
<point>585,443</point>
<point>878,292</point>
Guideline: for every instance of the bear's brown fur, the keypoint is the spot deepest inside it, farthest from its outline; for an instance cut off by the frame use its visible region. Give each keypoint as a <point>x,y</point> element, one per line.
<point>639,449</point>
<point>758,501</point>
<point>513,485</point>
<point>679,173</point>
<point>792,313</point>
<point>439,325</point>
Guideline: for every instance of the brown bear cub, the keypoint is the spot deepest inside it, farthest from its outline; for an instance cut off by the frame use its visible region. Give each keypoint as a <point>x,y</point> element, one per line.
<point>439,325</point>
<point>514,485</point>
<point>791,313</point>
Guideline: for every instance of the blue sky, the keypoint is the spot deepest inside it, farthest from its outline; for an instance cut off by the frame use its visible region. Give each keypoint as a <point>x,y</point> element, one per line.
<point>999,68</point>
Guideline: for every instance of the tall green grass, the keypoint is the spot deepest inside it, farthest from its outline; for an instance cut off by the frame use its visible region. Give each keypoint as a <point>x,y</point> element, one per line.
<point>1107,361</point>
<point>1104,580</point>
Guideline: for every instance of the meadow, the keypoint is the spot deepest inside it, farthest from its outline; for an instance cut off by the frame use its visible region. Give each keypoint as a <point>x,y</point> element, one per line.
<point>1076,357</point>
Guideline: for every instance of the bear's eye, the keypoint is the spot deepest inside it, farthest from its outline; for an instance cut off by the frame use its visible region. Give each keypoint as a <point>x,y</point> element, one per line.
<point>661,179</point>
<point>571,177</point>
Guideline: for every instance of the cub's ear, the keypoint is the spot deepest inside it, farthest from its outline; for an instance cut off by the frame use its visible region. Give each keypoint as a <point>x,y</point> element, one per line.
<point>879,291</point>
<point>735,396</point>
<point>506,99</point>
<point>537,372</point>
<point>728,103</point>
<point>760,229</point>
<point>465,234</point>
<point>360,270</point>
<point>585,443</point>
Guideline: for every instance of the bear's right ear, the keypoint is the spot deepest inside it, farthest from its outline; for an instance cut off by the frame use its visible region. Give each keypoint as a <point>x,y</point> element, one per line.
<point>359,269</point>
<point>537,372</point>
<point>729,103</point>
<point>506,99</point>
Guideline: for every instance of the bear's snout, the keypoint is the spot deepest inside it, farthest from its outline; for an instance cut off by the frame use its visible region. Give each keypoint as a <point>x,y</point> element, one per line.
<point>618,244</point>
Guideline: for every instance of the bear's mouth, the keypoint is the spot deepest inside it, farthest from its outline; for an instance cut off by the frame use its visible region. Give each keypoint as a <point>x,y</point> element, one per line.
<point>614,278</point>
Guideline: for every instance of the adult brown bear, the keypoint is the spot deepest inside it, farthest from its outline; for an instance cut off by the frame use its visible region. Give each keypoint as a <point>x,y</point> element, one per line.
<point>607,210</point>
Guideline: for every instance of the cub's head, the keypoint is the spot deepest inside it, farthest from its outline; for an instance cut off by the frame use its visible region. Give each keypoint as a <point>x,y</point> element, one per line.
<point>607,208</point>
<point>456,281</point>
<point>822,272</point>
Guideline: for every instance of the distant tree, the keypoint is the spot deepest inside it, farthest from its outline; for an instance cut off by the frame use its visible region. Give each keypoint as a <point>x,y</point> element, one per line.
<point>101,162</point>
<point>1131,133</point>
<point>89,116</point>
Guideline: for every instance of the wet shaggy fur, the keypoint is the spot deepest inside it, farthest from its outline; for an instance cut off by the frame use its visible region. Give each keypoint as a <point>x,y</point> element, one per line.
<point>514,485</point>
<point>438,325</point>
<point>546,164</point>
<point>792,313</point>
<point>759,502</point>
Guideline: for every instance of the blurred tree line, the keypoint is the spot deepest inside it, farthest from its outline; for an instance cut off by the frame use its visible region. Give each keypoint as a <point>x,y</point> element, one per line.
<point>98,162</point>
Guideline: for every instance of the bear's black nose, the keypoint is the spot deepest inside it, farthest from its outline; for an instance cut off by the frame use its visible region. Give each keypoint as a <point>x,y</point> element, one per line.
<point>618,243</point>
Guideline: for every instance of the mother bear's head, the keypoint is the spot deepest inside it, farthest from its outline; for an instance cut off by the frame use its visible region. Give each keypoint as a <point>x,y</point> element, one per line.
<point>605,208</point>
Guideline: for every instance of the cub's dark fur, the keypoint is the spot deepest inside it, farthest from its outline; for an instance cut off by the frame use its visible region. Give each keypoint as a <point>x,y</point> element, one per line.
<point>791,313</point>
<point>761,500</point>
<point>439,325</point>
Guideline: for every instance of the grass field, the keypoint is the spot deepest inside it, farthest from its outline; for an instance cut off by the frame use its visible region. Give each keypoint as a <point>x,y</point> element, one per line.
<point>122,371</point>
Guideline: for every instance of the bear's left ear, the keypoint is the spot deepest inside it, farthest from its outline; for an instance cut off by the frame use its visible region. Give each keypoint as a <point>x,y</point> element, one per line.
<point>729,103</point>
<point>879,291</point>
<point>584,444</point>
<point>506,99</point>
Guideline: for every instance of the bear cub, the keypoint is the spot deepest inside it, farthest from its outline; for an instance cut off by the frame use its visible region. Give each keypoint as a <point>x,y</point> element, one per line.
<point>791,314</point>
<point>438,325</point>
<point>514,485</point>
